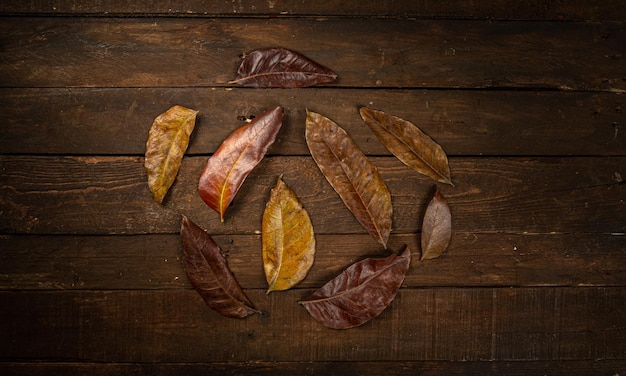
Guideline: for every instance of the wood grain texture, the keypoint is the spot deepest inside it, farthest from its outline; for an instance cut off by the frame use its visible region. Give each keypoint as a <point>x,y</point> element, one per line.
<point>527,99</point>
<point>172,52</point>
<point>149,262</point>
<point>334,368</point>
<point>421,324</point>
<point>480,123</point>
<point>585,10</point>
<point>109,195</point>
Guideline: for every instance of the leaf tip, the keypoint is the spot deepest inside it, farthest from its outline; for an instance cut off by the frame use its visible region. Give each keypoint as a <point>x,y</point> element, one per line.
<point>157,198</point>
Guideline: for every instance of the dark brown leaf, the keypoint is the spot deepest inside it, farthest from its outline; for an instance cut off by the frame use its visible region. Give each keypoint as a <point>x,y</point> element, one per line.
<point>208,273</point>
<point>167,142</point>
<point>359,293</point>
<point>228,167</point>
<point>351,175</point>
<point>280,68</point>
<point>409,144</point>
<point>436,228</point>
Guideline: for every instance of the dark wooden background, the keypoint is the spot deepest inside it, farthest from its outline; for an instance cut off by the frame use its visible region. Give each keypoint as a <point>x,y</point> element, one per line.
<point>528,100</point>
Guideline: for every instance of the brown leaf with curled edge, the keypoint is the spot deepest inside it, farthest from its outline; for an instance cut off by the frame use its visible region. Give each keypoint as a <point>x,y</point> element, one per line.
<point>288,239</point>
<point>167,142</point>
<point>228,167</point>
<point>436,227</point>
<point>359,293</point>
<point>409,144</point>
<point>280,68</point>
<point>351,174</point>
<point>208,273</point>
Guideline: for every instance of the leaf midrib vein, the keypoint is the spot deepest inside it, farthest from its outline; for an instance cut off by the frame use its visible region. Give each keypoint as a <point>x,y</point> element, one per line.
<point>218,280</point>
<point>355,190</point>
<point>232,167</point>
<point>427,163</point>
<point>253,76</point>
<point>349,291</point>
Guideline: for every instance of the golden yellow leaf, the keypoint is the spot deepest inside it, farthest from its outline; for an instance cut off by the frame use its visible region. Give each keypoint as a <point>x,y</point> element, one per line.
<point>167,142</point>
<point>288,239</point>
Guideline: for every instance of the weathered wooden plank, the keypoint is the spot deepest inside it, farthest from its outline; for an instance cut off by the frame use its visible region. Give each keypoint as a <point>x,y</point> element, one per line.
<point>493,9</point>
<point>174,52</point>
<point>398,368</point>
<point>421,324</point>
<point>109,195</point>
<point>153,261</point>
<point>116,121</point>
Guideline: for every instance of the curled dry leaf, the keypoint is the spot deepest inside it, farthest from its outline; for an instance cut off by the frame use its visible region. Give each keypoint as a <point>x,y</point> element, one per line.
<point>436,227</point>
<point>288,240</point>
<point>280,68</point>
<point>359,293</point>
<point>351,174</point>
<point>409,144</point>
<point>228,167</point>
<point>208,273</point>
<point>167,142</point>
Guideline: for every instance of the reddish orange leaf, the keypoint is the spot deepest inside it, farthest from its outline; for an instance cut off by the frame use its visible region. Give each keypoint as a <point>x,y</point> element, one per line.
<point>228,167</point>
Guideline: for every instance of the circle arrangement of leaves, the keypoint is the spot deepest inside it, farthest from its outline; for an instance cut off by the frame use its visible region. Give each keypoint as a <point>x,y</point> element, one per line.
<point>287,233</point>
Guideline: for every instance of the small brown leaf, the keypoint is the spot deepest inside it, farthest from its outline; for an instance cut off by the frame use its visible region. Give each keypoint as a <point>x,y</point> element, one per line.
<point>208,273</point>
<point>351,174</point>
<point>409,144</point>
<point>436,227</point>
<point>240,152</point>
<point>280,68</point>
<point>288,240</point>
<point>359,293</point>
<point>167,142</point>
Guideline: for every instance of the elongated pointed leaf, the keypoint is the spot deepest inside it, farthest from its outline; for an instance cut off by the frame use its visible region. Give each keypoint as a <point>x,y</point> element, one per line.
<point>436,227</point>
<point>167,142</point>
<point>208,273</point>
<point>228,167</point>
<point>280,68</point>
<point>351,174</point>
<point>409,144</point>
<point>359,293</point>
<point>288,240</point>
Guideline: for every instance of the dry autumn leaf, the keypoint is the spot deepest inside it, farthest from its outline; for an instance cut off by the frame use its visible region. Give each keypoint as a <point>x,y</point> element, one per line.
<point>280,68</point>
<point>351,174</point>
<point>359,293</point>
<point>167,142</point>
<point>409,144</point>
<point>436,227</point>
<point>228,167</point>
<point>208,272</point>
<point>288,239</point>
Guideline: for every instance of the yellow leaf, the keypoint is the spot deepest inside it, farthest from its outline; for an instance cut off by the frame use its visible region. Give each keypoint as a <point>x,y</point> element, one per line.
<point>288,239</point>
<point>167,142</point>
